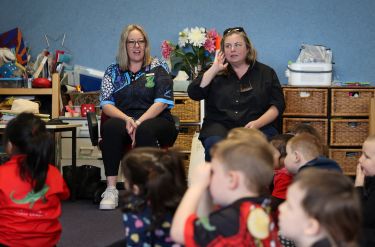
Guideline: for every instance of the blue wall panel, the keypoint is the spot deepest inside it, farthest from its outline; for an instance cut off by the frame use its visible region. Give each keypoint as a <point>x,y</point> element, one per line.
<point>277,28</point>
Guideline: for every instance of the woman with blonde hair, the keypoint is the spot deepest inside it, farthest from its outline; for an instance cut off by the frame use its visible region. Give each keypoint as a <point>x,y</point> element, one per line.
<point>137,94</point>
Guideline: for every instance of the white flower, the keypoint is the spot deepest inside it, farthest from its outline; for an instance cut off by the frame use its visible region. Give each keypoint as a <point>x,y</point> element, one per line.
<point>197,36</point>
<point>183,37</point>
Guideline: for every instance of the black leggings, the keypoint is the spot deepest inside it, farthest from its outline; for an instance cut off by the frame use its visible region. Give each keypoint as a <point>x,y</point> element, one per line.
<point>156,132</point>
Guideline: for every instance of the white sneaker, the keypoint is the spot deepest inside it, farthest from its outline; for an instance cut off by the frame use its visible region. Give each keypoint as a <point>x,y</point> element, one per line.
<point>110,199</point>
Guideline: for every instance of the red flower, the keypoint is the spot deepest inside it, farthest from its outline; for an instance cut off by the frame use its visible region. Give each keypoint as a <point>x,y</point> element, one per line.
<point>166,49</point>
<point>210,44</point>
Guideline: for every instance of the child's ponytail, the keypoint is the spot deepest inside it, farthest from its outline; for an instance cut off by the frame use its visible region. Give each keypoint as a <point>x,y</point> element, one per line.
<point>37,158</point>
<point>29,136</point>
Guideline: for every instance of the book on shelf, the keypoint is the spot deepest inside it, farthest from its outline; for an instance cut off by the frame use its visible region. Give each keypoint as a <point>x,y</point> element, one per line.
<point>7,115</point>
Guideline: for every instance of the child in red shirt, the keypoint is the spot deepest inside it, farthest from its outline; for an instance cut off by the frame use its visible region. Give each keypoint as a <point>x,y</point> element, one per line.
<point>236,179</point>
<point>30,188</point>
<point>282,178</point>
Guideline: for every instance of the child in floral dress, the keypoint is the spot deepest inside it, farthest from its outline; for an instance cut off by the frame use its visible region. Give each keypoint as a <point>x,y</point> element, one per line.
<point>155,182</point>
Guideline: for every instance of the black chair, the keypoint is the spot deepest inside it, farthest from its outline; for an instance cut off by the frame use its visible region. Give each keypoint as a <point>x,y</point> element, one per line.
<point>93,126</point>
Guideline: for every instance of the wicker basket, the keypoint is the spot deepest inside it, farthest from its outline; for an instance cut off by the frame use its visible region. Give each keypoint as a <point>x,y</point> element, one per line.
<point>321,125</point>
<point>186,109</point>
<point>185,137</point>
<point>346,158</point>
<point>349,132</point>
<point>351,102</point>
<point>85,98</point>
<point>306,102</point>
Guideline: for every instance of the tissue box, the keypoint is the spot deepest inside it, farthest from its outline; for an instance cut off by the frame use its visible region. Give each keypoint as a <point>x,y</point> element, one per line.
<point>180,86</point>
<point>309,74</point>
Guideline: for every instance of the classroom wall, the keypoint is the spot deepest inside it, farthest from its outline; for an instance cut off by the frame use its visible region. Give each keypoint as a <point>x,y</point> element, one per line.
<point>277,28</point>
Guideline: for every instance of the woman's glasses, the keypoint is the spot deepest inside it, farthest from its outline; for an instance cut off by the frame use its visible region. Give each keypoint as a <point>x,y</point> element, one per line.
<point>133,43</point>
<point>245,86</point>
<point>231,29</point>
<point>229,46</point>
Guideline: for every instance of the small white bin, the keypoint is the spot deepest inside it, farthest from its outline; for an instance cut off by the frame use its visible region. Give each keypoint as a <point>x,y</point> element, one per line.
<point>309,74</point>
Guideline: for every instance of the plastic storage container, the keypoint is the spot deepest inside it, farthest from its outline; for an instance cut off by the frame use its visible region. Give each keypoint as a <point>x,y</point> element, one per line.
<point>309,74</point>
<point>90,83</point>
<point>89,79</point>
<point>14,82</point>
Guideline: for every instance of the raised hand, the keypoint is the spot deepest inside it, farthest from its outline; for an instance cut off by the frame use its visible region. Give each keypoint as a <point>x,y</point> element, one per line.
<point>219,61</point>
<point>218,65</point>
<point>201,175</point>
<point>360,177</point>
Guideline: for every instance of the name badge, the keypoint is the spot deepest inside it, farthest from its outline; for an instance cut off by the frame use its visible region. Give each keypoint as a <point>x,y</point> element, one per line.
<point>150,80</point>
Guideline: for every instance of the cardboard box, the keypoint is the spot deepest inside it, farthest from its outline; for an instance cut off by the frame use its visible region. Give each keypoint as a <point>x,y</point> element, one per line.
<point>309,74</point>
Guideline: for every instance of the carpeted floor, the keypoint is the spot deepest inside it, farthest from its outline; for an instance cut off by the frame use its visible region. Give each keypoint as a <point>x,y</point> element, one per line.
<point>85,225</point>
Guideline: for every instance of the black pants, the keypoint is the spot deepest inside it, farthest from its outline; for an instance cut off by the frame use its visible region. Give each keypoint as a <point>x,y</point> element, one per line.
<point>222,132</point>
<point>156,132</point>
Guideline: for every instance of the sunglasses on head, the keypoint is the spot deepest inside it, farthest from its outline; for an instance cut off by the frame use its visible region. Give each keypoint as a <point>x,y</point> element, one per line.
<point>231,29</point>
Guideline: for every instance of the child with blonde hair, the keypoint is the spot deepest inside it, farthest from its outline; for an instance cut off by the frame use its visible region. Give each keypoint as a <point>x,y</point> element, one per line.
<point>365,183</point>
<point>253,136</point>
<point>246,134</point>
<point>237,179</point>
<point>309,129</point>
<point>322,209</point>
<point>303,151</point>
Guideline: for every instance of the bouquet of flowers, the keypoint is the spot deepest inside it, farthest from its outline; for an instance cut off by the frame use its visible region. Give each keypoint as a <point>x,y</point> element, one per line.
<point>195,50</point>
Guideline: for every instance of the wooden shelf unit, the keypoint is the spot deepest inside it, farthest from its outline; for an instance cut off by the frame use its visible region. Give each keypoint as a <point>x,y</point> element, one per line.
<point>339,114</point>
<point>54,92</point>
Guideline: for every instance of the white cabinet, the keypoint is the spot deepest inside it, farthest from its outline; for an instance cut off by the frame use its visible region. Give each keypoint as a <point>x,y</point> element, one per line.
<point>86,153</point>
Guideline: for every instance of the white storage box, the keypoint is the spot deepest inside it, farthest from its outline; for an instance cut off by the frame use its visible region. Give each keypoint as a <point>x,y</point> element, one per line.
<point>309,74</point>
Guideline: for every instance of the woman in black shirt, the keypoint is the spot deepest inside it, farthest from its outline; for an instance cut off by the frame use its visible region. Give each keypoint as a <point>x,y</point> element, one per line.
<point>238,91</point>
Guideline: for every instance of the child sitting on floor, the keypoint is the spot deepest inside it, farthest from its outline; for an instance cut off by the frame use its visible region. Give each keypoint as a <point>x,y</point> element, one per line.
<point>303,151</point>
<point>282,177</point>
<point>237,179</point>
<point>246,134</point>
<point>30,188</point>
<point>365,183</point>
<point>309,129</point>
<point>322,209</point>
<point>253,136</point>
<point>155,182</point>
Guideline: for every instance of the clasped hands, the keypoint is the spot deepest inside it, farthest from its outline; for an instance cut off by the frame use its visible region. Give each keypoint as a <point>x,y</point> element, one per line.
<point>131,127</point>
